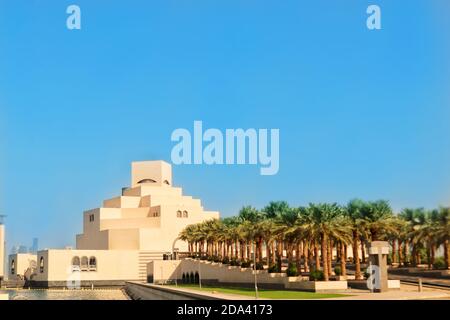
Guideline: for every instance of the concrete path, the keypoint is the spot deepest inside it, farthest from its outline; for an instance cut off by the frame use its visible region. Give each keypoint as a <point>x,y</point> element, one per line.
<point>212,293</point>
<point>397,295</point>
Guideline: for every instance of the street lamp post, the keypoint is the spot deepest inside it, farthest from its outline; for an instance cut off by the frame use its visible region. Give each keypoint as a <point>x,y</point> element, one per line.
<point>200,272</point>
<point>255,272</point>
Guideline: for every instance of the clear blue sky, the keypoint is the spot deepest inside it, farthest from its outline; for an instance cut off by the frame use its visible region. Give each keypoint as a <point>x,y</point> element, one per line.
<point>361,113</point>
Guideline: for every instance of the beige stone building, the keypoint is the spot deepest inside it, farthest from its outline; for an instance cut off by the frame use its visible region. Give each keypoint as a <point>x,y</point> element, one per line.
<point>21,265</point>
<point>119,238</point>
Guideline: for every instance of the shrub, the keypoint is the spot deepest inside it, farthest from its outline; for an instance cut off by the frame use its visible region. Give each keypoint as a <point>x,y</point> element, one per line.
<point>246,264</point>
<point>259,266</point>
<point>423,255</point>
<point>439,263</point>
<point>274,268</point>
<point>291,271</point>
<point>203,257</point>
<point>216,259</point>
<point>226,260</point>
<point>235,262</point>
<point>337,270</point>
<point>316,275</point>
<point>366,274</point>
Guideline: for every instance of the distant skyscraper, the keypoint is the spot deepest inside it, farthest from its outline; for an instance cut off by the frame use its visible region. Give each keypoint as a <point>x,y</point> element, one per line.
<point>23,249</point>
<point>2,248</point>
<point>14,249</point>
<point>35,247</point>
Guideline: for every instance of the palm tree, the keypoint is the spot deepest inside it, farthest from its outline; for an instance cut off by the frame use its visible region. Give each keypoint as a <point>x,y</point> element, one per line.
<point>443,233</point>
<point>315,231</point>
<point>268,230</point>
<point>412,218</point>
<point>286,222</point>
<point>249,217</point>
<point>274,210</point>
<point>325,222</point>
<point>354,213</point>
<point>378,219</point>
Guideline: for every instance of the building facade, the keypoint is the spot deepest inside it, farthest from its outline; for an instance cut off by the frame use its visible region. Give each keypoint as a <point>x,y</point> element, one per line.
<point>120,238</point>
<point>21,266</point>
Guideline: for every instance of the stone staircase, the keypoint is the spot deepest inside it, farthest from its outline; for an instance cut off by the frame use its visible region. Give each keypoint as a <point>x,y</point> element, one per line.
<point>144,258</point>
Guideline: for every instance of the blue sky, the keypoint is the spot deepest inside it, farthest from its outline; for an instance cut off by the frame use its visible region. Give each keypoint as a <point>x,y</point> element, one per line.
<point>361,113</point>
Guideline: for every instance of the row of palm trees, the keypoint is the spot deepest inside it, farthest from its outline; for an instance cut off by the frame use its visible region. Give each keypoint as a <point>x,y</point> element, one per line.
<point>311,235</point>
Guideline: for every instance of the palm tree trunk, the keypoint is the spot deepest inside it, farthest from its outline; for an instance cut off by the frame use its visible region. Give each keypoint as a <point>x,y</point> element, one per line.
<point>432,255</point>
<point>279,254</point>
<point>272,246</point>
<point>260,251</point>
<point>447,253</point>
<point>343,260</point>
<point>363,252</point>
<point>268,253</point>
<point>324,251</point>
<point>329,257</point>
<point>306,256</point>
<point>356,255</point>
<point>400,254</point>
<point>316,255</point>
<point>394,251</point>
<point>345,252</point>
<point>406,257</point>
<point>289,253</point>
<point>338,251</point>
<point>298,257</point>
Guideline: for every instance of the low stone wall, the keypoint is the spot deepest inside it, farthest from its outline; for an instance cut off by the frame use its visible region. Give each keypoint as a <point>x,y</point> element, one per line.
<point>12,283</point>
<point>362,284</point>
<point>233,276</point>
<point>142,291</point>
<point>417,272</point>
<point>83,284</point>
<point>318,286</point>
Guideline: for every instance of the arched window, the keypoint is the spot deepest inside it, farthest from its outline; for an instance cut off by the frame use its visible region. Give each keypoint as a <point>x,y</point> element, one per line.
<point>75,261</point>
<point>166,182</point>
<point>92,263</point>
<point>179,214</point>
<point>197,278</point>
<point>13,266</point>
<point>84,263</point>
<point>185,214</point>
<point>146,181</point>
<point>41,265</point>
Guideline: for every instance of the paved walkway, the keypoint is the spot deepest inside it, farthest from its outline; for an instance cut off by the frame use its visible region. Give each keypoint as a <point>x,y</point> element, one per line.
<point>406,293</point>
<point>212,293</point>
<point>442,282</point>
<point>398,295</point>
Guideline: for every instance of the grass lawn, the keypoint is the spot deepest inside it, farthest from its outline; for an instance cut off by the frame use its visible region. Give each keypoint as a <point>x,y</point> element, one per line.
<point>264,293</point>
